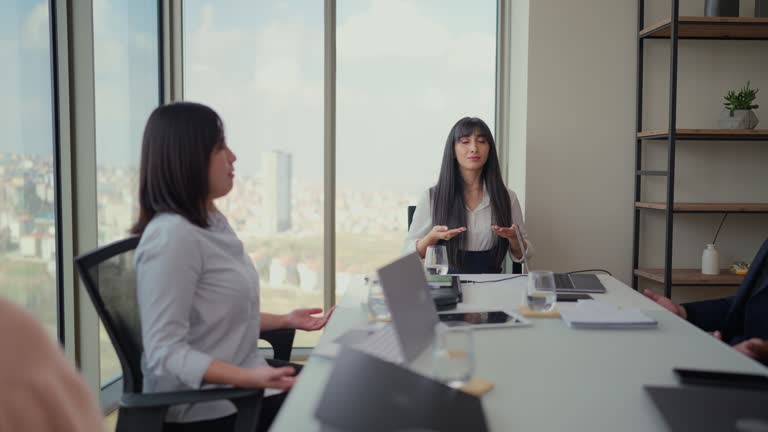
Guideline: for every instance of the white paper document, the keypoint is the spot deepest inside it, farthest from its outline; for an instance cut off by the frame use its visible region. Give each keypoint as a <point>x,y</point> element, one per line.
<point>596,314</point>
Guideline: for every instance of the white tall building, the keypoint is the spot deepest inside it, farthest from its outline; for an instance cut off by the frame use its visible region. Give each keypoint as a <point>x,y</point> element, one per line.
<point>276,171</point>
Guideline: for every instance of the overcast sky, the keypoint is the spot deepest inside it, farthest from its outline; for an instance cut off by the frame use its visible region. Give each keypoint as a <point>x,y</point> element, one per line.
<point>406,71</point>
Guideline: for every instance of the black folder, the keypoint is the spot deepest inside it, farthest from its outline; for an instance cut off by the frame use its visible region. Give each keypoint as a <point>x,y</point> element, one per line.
<point>365,393</point>
<point>705,409</point>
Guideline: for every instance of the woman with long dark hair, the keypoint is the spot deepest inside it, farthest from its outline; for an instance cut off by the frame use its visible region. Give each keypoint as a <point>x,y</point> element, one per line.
<point>198,291</point>
<point>470,210</point>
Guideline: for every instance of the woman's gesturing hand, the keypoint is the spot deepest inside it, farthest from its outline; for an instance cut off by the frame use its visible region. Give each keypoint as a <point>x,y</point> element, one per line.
<point>303,319</point>
<point>441,232</point>
<point>511,234</point>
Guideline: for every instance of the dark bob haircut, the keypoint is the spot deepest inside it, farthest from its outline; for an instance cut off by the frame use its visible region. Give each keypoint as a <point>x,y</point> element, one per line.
<point>175,153</point>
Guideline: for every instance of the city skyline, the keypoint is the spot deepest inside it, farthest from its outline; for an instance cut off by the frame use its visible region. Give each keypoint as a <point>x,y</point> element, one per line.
<point>260,65</point>
<point>277,179</point>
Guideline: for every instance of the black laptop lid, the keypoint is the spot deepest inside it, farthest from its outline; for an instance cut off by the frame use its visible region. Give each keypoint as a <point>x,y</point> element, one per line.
<point>705,409</point>
<point>364,393</point>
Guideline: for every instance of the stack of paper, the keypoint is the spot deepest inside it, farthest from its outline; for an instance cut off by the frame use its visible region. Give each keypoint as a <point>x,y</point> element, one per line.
<point>596,314</point>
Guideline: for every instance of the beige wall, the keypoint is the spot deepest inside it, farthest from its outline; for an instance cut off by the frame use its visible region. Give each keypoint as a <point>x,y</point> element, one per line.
<point>581,77</point>
<point>579,147</point>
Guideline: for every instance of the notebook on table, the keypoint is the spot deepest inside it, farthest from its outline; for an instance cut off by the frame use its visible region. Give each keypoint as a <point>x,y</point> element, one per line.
<point>598,315</point>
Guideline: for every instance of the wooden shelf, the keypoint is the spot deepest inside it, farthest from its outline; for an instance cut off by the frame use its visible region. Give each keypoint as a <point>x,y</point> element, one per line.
<point>690,277</point>
<point>710,28</point>
<point>708,135</point>
<point>707,207</point>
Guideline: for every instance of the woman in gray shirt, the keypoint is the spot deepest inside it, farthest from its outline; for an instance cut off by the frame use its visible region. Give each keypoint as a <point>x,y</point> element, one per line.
<point>198,291</point>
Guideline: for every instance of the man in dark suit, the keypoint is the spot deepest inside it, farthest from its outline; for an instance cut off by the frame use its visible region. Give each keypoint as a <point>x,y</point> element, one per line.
<point>740,320</point>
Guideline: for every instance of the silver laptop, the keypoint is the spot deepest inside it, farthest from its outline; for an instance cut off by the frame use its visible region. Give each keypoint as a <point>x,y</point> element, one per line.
<point>578,283</point>
<point>413,312</point>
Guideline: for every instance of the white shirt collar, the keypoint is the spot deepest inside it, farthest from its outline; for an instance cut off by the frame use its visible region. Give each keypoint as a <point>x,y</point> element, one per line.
<point>485,202</point>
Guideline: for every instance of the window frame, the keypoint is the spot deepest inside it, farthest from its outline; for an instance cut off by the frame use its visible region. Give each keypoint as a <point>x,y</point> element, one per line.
<point>72,61</point>
<point>73,83</point>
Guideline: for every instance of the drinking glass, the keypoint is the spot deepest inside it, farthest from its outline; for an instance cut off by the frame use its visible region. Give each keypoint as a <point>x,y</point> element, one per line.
<point>377,303</point>
<point>453,356</point>
<point>436,260</point>
<point>541,293</point>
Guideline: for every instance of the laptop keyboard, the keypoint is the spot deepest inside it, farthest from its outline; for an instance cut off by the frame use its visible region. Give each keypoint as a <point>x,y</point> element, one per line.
<point>382,344</point>
<point>562,280</point>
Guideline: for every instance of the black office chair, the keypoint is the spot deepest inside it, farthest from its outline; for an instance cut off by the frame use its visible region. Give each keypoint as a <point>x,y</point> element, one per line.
<point>110,281</point>
<point>517,268</point>
<point>411,211</point>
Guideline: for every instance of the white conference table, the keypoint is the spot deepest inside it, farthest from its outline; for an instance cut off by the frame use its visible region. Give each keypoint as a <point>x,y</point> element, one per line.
<point>549,377</point>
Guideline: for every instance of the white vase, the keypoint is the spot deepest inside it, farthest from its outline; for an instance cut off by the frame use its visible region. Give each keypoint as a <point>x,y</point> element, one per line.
<point>737,119</point>
<point>710,261</point>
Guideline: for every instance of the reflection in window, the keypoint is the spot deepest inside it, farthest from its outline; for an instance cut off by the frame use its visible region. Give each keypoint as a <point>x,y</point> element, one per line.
<point>27,218</point>
<point>400,88</point>
<point>126,73</point>
<point>260,66</point>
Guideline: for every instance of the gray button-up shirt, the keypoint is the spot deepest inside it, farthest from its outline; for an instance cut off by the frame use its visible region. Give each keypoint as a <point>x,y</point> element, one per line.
<point>198,298</point>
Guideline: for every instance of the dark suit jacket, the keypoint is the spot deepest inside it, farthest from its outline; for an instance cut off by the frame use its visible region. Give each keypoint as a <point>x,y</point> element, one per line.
<point>742,316</point>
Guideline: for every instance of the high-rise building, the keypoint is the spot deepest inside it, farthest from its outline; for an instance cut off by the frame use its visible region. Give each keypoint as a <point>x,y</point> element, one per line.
<point>276,171</point>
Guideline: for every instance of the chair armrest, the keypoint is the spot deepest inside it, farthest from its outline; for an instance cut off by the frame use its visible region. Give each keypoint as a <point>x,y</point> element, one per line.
<point>281,341</point>
<point>150,400</point>
<point>146,411</point>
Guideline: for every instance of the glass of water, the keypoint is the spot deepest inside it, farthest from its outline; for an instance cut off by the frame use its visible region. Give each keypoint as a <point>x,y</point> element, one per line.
<point>436,260</point>
<point>541,293</point>
<point>453,357</point>
<point>377,304</point>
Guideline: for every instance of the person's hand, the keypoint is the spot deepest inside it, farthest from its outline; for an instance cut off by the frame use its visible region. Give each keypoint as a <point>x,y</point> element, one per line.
<point>755,348</point>
<point>281,378</point>
<point>511,235</point>
<point>441,232</point>
<point>667,304</point>
<point>302,319</point>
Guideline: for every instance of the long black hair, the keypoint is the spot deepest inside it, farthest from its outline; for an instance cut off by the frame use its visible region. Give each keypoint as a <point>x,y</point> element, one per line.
<point>448,207</point>
<point>175,153</point>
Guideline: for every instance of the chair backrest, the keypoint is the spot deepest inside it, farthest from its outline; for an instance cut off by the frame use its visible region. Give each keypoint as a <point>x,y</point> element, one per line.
<point>411,211</point>
<point>110,280</point>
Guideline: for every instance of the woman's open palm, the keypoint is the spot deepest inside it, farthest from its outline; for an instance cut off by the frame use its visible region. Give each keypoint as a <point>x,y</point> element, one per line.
<point>303,319</point>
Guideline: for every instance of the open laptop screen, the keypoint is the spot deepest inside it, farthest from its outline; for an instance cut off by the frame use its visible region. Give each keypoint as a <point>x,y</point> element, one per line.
<point>413,312</point>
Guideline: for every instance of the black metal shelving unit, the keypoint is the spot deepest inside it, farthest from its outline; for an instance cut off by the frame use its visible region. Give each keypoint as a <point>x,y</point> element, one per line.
<point>674,29</point>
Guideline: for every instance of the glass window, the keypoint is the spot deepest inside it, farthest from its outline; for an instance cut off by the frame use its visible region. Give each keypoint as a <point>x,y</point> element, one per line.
<point>406,72</point>
<point>126,73</point>
<point>27,211</point>
<point>260,66</point>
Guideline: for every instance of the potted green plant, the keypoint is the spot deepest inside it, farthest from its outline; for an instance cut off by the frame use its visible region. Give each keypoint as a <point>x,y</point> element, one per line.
<point>737,113</point>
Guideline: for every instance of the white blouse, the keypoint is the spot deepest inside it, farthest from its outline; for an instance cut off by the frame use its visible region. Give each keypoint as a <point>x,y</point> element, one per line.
<point>198,296</point>
<point>480,237</point>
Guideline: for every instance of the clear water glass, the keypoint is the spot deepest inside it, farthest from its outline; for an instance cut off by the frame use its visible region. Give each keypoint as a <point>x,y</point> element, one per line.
<point>377,304</point>
<point>453,355</point>
<point>541,293</point>
<point>436,260</point>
